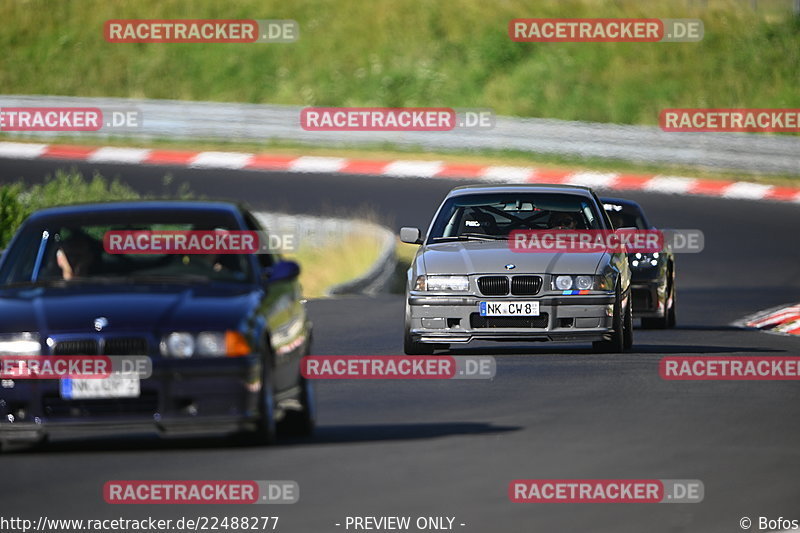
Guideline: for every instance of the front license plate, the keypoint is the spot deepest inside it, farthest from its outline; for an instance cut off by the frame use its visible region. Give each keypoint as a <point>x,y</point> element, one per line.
<point>114,386</point>
<point>509,308</point>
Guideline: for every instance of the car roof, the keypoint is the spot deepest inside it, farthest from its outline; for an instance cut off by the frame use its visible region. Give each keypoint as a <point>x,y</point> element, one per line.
<point>621,201</point>
<point>521,188</point>
<point>135,206</point>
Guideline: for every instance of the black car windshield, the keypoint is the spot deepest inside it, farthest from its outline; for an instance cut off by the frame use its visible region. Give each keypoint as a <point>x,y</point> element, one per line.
<point>71,250</point>
<point>625,217</point>
<point>495,216</point>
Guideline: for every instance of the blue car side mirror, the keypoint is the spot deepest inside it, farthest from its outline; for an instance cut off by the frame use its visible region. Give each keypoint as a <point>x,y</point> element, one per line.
<point>282,271</point>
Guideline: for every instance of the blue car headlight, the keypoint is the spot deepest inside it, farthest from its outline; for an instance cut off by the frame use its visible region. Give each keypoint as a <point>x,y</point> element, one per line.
<point>25,343</point>
<point>183,345</point>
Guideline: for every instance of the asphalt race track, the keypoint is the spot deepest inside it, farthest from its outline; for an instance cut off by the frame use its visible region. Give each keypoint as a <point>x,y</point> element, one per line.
<point>450,448</point>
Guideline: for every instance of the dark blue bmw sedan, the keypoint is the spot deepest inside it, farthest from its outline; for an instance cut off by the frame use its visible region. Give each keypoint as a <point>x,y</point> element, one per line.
<point>224,332</point>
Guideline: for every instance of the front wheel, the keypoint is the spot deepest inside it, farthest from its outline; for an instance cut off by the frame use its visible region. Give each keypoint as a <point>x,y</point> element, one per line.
<point>627,328</point>
<point>412,347</point>
<point>301,423</point>
<point>266,431</point>
<point>671,319</point>
<point>615,344</point>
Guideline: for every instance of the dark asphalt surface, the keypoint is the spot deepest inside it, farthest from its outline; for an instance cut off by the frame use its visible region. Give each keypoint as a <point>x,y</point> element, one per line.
<point>450,448</point>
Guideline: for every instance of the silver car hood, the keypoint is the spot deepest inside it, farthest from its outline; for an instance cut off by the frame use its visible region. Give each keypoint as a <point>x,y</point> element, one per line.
<point>486,257</point>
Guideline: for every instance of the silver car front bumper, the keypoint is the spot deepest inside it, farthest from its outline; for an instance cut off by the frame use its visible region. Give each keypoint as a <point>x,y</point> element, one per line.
<point>456,319</point>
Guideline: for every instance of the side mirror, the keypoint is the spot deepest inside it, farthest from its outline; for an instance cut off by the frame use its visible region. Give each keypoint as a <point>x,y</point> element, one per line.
<point>282,271</point>
<point>410,235</point>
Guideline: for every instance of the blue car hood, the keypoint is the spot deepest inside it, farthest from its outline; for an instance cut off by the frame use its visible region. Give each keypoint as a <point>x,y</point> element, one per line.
<point>128,308</point>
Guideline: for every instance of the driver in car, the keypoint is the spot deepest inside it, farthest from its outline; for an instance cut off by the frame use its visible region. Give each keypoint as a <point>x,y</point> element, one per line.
<point>563,221</point>
<point>77,256</point>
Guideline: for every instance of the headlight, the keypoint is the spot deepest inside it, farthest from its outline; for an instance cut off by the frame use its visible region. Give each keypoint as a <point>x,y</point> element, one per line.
<point>442,283</point>
<point>211,343</point>
<point>205,344</point>
<point>178,345</point>
<point>20,344</point>
<point>582,283</point>
<point>645,260</point>
<point>563,282</point>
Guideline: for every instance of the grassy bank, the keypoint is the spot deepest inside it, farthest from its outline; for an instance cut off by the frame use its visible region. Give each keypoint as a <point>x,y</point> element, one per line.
<point>324,267</point>
<point>413,53</point>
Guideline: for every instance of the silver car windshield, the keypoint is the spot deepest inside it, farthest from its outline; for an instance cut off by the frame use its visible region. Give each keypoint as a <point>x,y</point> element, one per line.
<point>495,216</point>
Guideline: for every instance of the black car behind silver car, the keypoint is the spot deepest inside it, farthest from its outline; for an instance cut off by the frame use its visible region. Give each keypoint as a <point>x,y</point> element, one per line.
<point>652,274</point>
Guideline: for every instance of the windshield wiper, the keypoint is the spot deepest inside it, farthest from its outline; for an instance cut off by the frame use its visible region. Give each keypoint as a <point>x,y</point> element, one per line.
<point>108,280</point>
<point>163,278</point>
<point>470,237</point>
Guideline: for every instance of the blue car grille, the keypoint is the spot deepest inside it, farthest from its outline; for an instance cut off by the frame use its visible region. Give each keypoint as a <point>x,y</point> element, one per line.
<point>102,346</point>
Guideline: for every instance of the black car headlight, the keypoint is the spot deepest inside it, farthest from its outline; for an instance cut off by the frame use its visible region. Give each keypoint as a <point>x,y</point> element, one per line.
<point>640,260</point>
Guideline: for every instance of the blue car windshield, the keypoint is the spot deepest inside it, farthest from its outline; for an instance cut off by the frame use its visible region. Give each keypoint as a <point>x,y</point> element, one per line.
<point>66,251</point>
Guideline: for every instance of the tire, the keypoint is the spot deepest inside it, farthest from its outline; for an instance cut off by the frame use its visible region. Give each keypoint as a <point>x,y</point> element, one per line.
<point>627,328</point>
<point>663,322</point>
<point>671,319</point>
<point>412,347</point>
<point>266,432</point>
<point>616,344</point>
<point>301,423</point>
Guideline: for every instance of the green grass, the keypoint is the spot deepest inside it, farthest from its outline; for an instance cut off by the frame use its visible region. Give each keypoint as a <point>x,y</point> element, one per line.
<point>326,266</point>
<point>18,201</point>
<point>413,53</point>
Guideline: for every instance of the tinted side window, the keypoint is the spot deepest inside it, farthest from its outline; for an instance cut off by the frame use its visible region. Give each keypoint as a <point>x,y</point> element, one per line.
<point>264,260</point>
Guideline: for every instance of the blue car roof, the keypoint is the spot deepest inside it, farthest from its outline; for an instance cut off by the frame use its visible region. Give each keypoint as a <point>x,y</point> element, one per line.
<point>140,206</point>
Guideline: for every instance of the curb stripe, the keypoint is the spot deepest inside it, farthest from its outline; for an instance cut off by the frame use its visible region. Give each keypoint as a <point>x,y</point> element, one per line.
<point>308,163</point>
<point>232,160</point>
<point>110,154</point>
<point>270,162</point>
<point>22,151</point>
<point>170,157</point>
<point>785,320</point>
<point>357,166</point>
<point>67,151</point>
<point>670,184</point>
<point>413,169</point>
<point>405,169</point>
